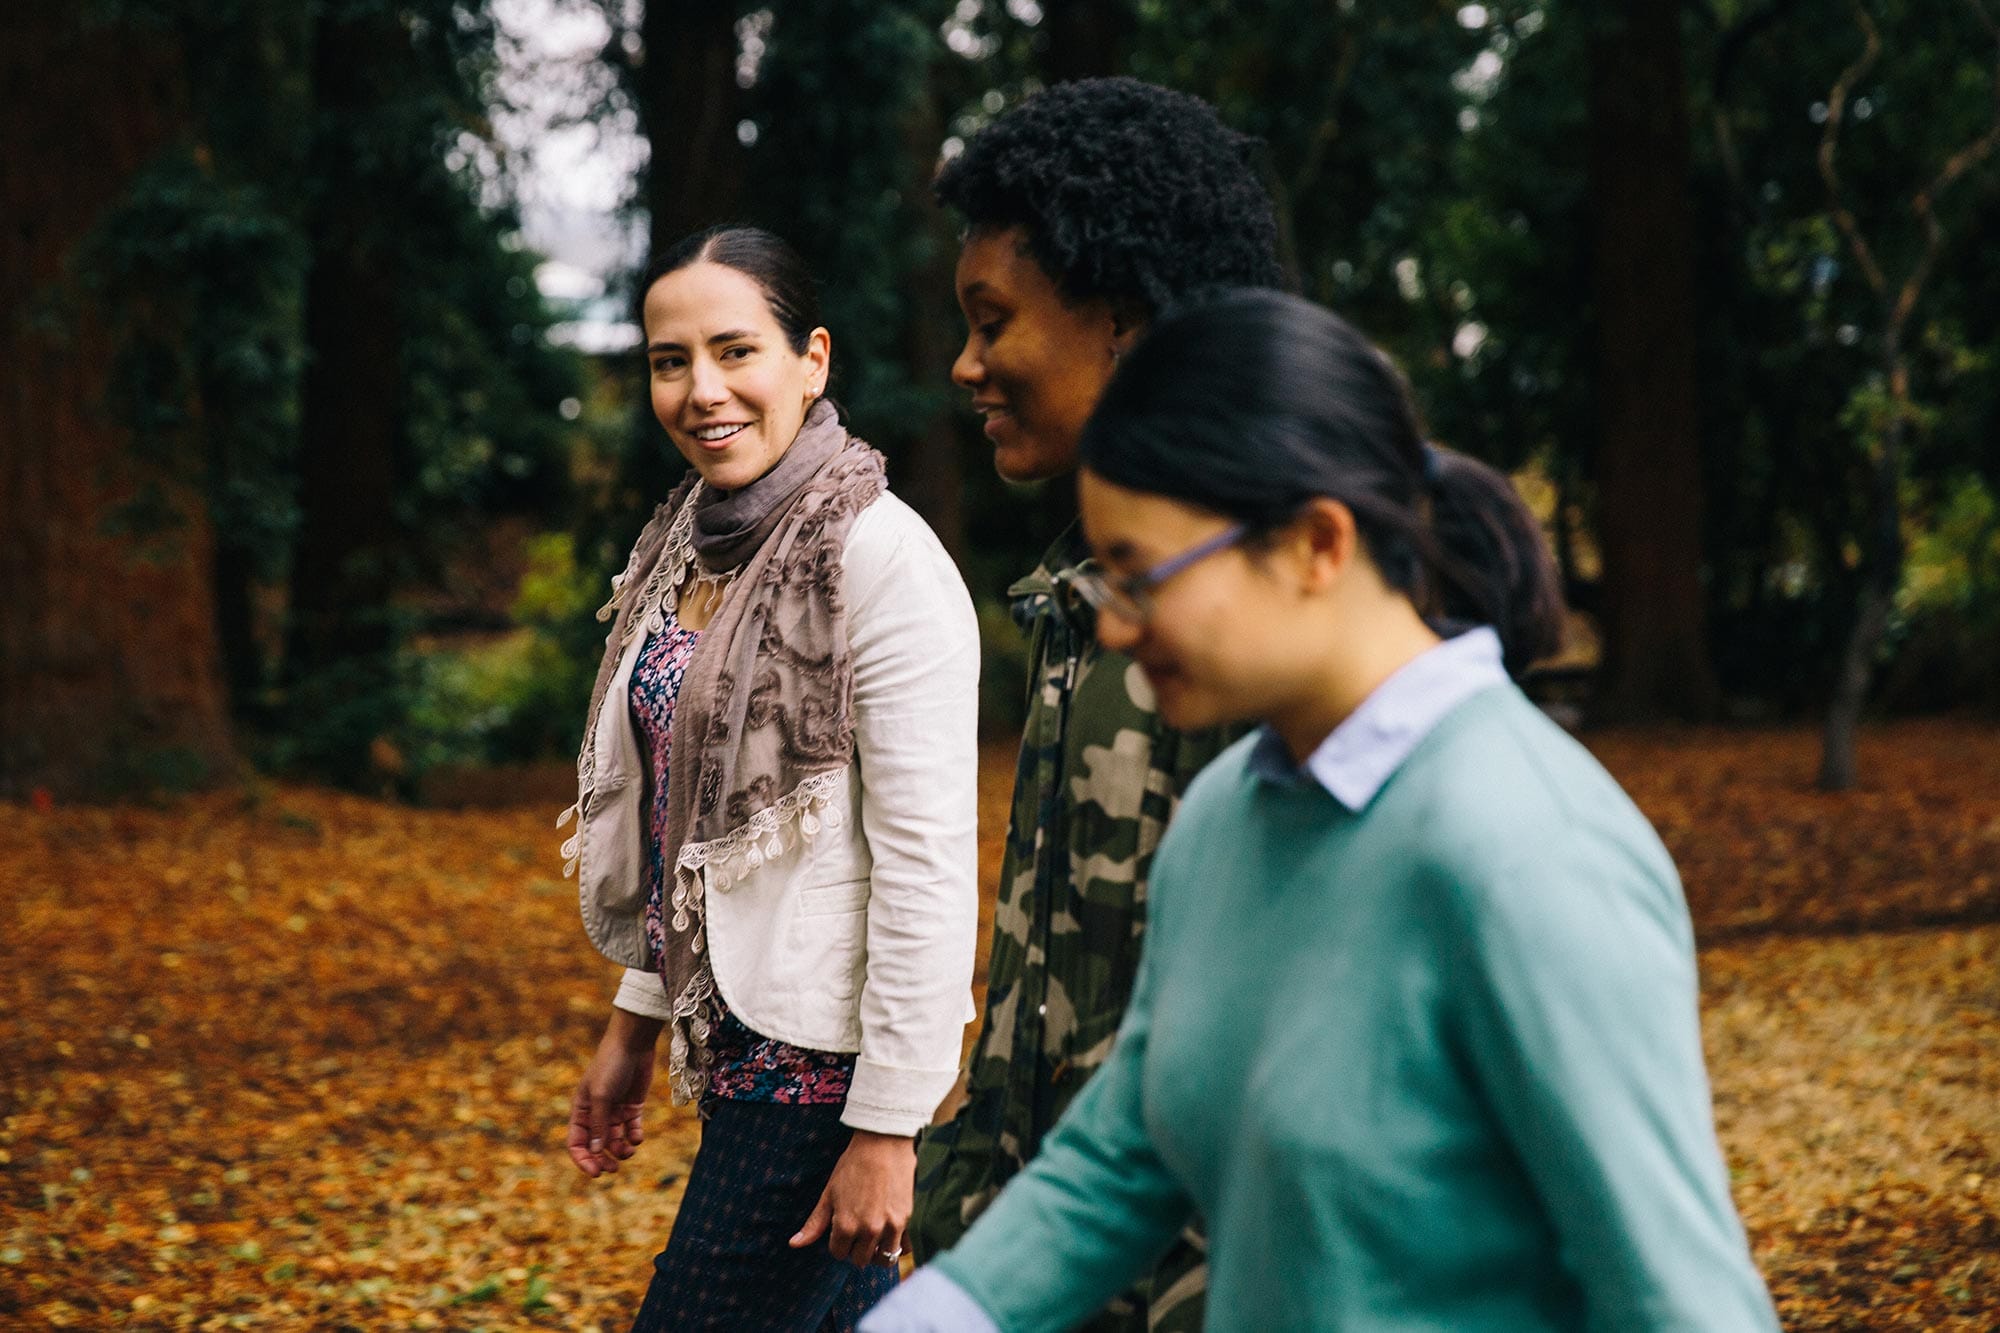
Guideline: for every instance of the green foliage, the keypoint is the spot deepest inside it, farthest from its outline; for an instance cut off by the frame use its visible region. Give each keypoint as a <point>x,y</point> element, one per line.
<point>488,704</point>
<point>1948,615</point>
<point>202,269</point>
<point>201,279</point>
<point>482,383</point>
<point>1427,160</point>
<point>835,171</point>
<point>1797,402</point>
<point>338,723</point>
<point>518,696</point>
<point>1791,371</point>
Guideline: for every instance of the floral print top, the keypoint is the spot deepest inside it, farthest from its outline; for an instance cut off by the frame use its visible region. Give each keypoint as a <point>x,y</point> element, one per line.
<point>748,1066</point>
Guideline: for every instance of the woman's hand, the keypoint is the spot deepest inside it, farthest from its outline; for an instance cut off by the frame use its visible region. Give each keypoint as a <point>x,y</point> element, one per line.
<point>865,1207</point>
<point>604,1116</point>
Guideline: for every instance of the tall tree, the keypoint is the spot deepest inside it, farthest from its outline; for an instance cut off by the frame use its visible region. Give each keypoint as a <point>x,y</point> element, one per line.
<point>429,391</point>
<point>109,668</point>
<point>1890,404</point>
<point>241,234</point>
<point>690,104</point>
<point>348,557</point>
<point>1648,455</point>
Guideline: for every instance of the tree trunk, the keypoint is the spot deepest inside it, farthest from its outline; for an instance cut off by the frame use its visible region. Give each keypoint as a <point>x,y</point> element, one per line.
<point>346,559</point>
<point>689,106</point>
<point>1648,458</point>
<point>1882,572</point>
<point>1838,769</point>
<point>258,56</point>
<point>934,466</point>
<point>344,565</point>
<point>109,672</point>
<point>234,577</point>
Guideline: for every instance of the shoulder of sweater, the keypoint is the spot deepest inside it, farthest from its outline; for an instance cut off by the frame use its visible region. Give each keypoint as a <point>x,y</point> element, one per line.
<point>1498,759</point>
<point>1505,796</point>
<point>1228,773</point>
<point>1208,811</point>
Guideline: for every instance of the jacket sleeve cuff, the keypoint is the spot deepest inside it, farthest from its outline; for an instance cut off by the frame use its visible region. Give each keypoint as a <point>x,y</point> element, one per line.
<point>886,1100</point>
<point>641,993</point>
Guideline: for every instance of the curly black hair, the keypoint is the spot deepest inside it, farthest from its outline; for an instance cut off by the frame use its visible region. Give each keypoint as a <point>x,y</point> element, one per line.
<point>1124,190</point>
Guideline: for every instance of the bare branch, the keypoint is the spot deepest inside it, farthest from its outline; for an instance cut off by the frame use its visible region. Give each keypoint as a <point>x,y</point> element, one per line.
<point>1924,203</point>
<point>1836,110</point>
<point>1728,50</point>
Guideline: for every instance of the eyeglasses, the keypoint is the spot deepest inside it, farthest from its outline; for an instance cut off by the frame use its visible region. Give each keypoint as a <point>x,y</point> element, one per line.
<point>1131,597</point>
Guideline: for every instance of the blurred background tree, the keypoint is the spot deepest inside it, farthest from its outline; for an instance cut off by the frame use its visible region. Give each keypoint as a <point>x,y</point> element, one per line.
<point>296,357</point>
<point>300,472</point>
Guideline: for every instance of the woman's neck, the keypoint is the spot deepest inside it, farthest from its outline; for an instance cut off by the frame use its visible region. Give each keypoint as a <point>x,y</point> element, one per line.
<point>1365,648</point>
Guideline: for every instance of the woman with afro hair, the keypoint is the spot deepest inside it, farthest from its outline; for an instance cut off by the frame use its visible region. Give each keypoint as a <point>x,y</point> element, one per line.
<point>1091,209</point>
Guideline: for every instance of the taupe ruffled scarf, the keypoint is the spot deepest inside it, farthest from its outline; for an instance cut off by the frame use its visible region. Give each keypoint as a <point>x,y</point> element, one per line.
<point>764,724</point>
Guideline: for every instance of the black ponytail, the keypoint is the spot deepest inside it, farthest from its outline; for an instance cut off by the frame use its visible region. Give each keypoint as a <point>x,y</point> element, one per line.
<point>1253,403</point>
<point>1496,566</point>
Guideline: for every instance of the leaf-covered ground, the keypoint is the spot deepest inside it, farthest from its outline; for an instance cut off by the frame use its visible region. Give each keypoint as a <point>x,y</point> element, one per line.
<point>288,1059</point>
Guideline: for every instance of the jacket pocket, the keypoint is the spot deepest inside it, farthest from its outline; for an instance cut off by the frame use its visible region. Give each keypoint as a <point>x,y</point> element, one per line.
<point>834,899</point>
<point>830,948</point>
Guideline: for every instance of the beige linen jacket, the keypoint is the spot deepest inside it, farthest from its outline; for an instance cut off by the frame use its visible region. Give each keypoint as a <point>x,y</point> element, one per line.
<point>859,936</point>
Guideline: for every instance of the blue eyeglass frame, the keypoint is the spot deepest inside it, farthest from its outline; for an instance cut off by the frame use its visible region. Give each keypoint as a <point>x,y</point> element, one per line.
<point>1132,595</point>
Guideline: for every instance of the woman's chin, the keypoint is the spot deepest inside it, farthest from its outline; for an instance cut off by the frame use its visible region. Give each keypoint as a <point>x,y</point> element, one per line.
<point>1178,706</point>
<point>1187,706</point>
<point>730,472</point>
<point>1024,458</point>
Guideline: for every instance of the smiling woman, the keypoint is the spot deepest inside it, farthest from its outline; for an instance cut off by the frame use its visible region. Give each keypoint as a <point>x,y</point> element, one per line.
<point>730,383</point>
<point>1034,360</point>
<point>776,805</point>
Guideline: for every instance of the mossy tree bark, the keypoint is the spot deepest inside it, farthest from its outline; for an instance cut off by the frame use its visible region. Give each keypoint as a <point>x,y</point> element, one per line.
<point>110,675</point>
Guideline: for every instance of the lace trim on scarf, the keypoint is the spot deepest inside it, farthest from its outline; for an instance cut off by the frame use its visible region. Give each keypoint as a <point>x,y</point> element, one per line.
<point>687,1079</point>
<point>676,560</point>
<point>795,818</point>
<point>648,617</point>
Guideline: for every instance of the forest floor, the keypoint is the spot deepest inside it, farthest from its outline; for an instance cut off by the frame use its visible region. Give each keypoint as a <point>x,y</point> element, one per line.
<point>282,1058</point>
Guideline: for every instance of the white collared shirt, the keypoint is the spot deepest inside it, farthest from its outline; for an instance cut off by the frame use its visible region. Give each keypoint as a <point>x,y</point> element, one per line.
<point>1364,751</point>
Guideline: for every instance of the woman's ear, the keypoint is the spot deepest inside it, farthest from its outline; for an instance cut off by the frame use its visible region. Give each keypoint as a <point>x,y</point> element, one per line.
<point>1325,543</point>
<point>1128,325</point>
<point>819,352</point>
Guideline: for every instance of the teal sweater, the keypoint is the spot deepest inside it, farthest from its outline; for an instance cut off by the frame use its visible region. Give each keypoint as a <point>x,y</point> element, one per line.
<point>1434,1064</point>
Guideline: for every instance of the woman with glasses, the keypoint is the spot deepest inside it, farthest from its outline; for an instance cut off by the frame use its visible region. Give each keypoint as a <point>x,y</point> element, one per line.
<point>1415,1032</point>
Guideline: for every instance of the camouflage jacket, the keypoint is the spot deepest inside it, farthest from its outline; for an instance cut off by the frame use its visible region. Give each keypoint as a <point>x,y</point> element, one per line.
<point>1098,776</point>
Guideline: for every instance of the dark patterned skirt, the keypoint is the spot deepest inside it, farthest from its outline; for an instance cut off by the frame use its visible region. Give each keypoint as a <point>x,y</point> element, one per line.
<point>728,1264</point>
